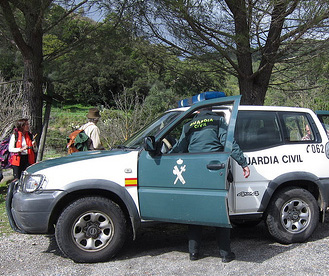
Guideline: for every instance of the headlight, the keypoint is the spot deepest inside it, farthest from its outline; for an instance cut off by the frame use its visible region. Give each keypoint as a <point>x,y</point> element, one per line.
<point>31,182</point>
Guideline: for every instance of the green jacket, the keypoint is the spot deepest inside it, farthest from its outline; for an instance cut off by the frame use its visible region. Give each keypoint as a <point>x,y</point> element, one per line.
<point>206,132</point>
<point>81,141</point>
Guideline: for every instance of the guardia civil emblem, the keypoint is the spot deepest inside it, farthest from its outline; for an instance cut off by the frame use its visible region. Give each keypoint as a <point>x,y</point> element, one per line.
<point>178,171</point>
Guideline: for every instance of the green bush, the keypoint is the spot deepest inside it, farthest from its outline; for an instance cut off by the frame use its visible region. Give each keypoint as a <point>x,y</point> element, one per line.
<point>63,120</point>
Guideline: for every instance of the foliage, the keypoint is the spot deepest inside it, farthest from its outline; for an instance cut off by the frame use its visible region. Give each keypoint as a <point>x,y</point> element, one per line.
<point>63,120</point>
<point>242,38</point>
<point>129,114</point>
<point>24,24</point>
<point>309,90</point>
<point>4,223</point>
<point>114,60</point>
<point>132,113</point>
<point>10,66</point>
<point>161,99</point>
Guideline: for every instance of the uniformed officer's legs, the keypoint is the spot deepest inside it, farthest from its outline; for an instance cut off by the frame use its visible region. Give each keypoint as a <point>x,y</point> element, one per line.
<point>223,236</point>
<point>194,241</point>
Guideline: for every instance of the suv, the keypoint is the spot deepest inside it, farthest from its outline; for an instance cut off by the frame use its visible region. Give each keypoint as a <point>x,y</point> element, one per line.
<point>94,200</point>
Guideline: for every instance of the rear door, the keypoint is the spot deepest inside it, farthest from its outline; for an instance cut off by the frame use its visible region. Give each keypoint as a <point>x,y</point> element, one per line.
<point>184,187</point>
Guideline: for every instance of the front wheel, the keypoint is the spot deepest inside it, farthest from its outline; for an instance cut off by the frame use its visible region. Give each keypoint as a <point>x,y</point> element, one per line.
<point>91,229</point>
<point>292,215</point>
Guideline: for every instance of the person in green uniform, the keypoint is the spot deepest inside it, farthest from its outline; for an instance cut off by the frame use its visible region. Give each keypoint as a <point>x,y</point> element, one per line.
<point>206,132</point>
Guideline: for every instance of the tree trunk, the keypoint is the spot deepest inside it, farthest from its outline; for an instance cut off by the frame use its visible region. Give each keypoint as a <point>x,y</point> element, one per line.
<point>32,97</point>
<point>29,41</point>
<point>253,85</point>
<point>33,74</point>
<point>253,89</point>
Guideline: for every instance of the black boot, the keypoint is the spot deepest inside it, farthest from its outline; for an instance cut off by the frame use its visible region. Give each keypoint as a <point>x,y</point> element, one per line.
<point>194,241</point>
<point>194,256</point>
<point>228,258</point>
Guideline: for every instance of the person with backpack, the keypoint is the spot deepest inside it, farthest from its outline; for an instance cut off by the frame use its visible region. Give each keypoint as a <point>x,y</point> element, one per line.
<point>23,146</point>
<point>92,131</point>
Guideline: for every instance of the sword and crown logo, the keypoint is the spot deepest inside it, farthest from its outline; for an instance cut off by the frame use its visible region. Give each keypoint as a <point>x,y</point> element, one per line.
<point>179,171</point>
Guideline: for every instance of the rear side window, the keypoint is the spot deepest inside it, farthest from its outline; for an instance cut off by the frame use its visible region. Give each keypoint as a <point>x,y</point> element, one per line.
<point>297,127</point>
<point>324,118</point>
<point>257,129</point>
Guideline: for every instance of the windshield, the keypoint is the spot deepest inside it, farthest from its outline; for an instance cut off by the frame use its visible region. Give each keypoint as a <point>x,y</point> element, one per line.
<point>151,130</point>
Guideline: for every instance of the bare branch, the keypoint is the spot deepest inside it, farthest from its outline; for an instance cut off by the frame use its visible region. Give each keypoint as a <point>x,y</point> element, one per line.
<point>11,105</point>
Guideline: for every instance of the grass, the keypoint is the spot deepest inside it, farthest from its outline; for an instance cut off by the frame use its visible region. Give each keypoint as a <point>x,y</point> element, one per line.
<point>4,223</point>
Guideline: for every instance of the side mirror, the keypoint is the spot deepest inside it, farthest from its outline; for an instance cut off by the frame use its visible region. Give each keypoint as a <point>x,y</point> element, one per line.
<point>149,144</point>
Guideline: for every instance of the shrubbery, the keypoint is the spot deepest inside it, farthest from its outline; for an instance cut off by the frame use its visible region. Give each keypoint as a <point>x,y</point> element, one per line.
<point>117,123</point>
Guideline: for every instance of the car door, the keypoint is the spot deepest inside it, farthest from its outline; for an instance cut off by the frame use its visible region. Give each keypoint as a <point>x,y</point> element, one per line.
<point>188,187</point>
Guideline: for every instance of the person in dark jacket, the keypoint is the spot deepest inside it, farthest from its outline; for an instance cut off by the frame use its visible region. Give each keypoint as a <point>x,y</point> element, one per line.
<point>206,132</point>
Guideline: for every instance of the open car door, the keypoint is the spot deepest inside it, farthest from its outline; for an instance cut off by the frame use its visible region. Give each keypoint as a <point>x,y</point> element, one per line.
<point>189,188</point>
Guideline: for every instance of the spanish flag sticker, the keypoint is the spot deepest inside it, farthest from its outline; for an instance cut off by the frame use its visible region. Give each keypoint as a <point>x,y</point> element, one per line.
<point>130,182</point>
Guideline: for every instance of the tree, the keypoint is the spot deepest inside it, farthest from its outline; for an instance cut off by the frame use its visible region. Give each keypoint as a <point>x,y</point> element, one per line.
<point>116,62</point>
<point>244,38</point>
<point>24,23</point>
<point>30,45</point>
<point>309,90</point>
<point>10,105</point>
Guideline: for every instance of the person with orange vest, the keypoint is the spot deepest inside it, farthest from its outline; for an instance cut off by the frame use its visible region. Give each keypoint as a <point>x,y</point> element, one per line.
<point>23,146</point>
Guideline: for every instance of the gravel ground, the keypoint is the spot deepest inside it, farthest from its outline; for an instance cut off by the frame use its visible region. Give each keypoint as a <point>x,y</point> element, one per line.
<point>161,249</point>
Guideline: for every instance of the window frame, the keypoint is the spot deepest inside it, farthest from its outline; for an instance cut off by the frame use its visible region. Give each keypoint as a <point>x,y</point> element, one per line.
<point>316,135</point>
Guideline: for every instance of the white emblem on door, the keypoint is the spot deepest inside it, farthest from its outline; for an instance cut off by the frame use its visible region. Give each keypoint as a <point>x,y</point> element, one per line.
<point>179,171</point>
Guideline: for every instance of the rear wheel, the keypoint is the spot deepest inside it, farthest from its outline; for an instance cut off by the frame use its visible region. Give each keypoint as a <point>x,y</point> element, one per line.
<point>292,215</point>
<point>91,229</point>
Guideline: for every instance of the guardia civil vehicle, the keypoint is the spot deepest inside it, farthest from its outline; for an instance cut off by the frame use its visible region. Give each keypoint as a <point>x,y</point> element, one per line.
<point>95,200</point>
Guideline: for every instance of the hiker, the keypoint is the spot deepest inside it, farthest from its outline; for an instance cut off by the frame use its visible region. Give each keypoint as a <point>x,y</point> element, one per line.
<point>23,146</point>
<point>92,130</point>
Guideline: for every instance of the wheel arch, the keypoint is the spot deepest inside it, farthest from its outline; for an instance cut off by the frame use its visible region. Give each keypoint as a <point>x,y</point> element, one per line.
<point>102,188</point>
<point>305,180</point>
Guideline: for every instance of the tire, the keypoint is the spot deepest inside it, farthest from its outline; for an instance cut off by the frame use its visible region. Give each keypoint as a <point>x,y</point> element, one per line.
<point>292,215</point>
<point>91,229</point>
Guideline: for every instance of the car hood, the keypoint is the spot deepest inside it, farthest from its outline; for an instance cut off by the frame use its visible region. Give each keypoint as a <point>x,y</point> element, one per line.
<point>74,157</point>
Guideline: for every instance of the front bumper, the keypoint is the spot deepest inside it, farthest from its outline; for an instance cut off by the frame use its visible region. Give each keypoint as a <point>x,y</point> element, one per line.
<point>30,212</point>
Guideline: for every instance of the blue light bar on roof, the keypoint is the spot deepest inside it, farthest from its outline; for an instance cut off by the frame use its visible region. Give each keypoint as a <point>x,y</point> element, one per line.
<point>201,97</point>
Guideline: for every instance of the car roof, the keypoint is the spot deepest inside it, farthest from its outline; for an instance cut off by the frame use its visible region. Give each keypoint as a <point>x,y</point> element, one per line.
<point>274,108</point>
<point>260,108</point>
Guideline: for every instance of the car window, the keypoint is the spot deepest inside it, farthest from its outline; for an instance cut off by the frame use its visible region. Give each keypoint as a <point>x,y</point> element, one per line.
<point>179,143</point>
<point>151,130</point>
<point>324,118</point>
<point>257,129</point>
<point>297,127</point>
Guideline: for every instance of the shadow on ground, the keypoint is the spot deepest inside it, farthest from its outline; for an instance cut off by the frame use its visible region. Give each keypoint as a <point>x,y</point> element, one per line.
<point>251,244</point>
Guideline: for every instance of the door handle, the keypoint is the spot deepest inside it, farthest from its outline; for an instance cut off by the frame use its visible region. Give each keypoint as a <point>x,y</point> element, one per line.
<point>215,166</point>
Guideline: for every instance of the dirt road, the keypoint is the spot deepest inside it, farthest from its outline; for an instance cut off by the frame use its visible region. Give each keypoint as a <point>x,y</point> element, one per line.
<point>162,250</point>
